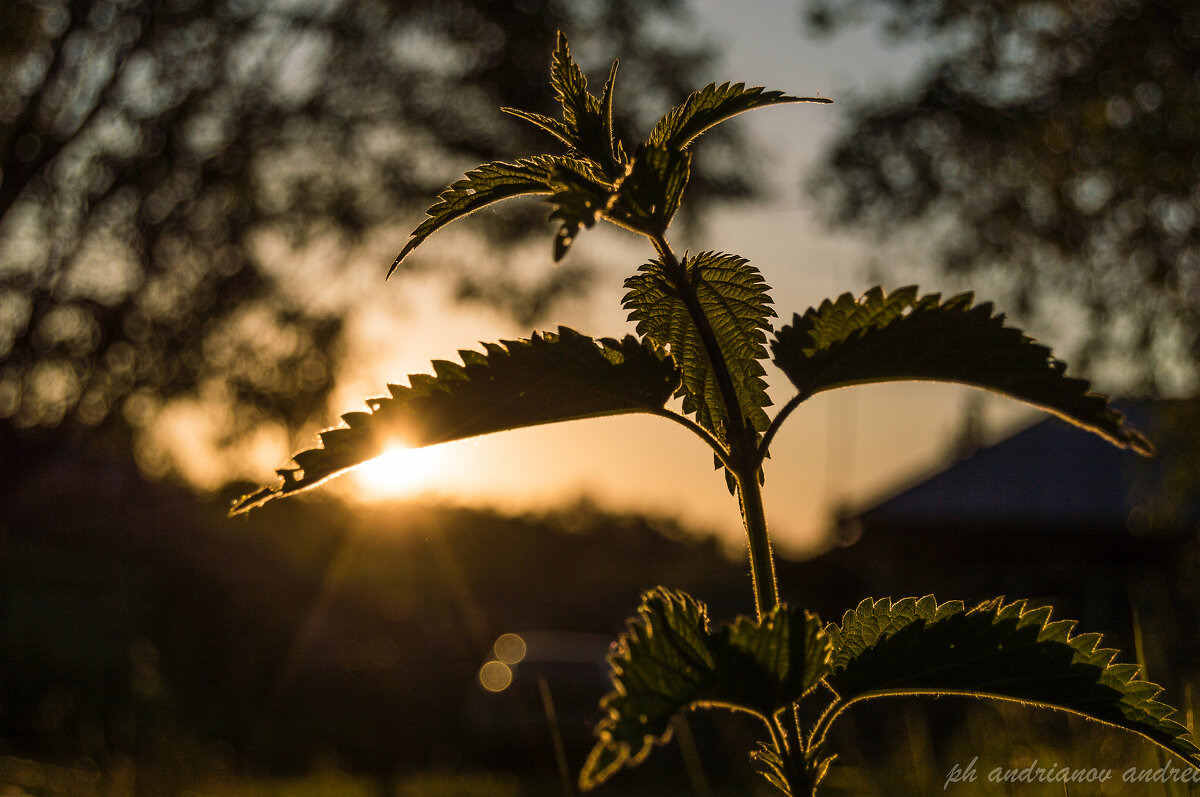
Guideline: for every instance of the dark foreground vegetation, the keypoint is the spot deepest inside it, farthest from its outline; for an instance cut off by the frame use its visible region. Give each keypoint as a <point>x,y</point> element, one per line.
<point>152,647</point>
<point>142,629</point>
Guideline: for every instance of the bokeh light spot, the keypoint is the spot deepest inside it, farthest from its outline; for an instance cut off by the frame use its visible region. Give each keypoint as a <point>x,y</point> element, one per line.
<point>495,676</point>
<point>509,648</point>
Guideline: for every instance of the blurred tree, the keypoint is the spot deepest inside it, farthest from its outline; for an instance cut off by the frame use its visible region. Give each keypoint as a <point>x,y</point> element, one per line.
<point>1051,144</point>
<point>148,148</point>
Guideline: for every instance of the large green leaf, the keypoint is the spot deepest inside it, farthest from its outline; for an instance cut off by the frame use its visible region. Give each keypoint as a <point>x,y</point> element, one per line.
<point>736,300</point>
<point>997,650</point>
<point>710,106</point>
<point>882,338</point>
<point>547,378</point>
<point>670,661</point>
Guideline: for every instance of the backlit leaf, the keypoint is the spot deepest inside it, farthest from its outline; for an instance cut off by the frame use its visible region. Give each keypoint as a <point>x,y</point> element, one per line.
<point>606,116</point>
<point>669,661</point>
<point>1005,651</point>
<point>770,764</point>
<point>579,197</point>
<point>649,195</point>
<point>735,299</point>
<point>789,651</point>
<point>586,119</point>
<point>552,126</point>
<point>710,106</point>
<point>479,188</point>
<point>661,665</point>
<point>570,85</point>
<point>882,338</point>
<point>547,378</point>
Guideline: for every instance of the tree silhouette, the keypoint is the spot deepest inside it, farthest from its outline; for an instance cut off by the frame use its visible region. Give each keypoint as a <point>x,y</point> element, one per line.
<point>148,146</point>
<point>1052,144</point>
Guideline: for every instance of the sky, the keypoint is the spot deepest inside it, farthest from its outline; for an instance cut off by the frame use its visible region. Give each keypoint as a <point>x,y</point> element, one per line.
<point>840,448</point>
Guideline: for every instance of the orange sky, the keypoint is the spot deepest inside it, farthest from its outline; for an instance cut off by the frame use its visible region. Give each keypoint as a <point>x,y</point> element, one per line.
<point>846,446</point>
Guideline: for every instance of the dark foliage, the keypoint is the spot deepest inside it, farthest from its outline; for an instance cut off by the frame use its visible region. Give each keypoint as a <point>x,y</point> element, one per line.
<point>147,149</point>
<point>1051,144</point>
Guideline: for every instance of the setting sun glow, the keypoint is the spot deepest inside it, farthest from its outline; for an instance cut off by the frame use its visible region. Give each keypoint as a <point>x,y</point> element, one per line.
<point>401,472</point>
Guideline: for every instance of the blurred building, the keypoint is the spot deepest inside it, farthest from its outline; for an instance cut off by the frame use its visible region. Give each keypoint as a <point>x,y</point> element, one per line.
<point>1053,514</point>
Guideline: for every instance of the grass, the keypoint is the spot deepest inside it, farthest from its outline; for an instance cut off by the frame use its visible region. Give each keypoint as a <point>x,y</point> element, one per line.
<point>927,739</point>
<point>936,735</point>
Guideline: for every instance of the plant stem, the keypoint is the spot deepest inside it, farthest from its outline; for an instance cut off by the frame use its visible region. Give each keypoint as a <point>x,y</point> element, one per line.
<point>762,562</point>
<point>831,712</point>
<point>789,748</point>
<point>741,437</point>
<point>744,462</point>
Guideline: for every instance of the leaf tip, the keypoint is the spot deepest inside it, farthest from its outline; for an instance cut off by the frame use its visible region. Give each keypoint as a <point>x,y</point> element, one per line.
<point>1140,444</point>
<point>243,505</point>
<point>408,247</point>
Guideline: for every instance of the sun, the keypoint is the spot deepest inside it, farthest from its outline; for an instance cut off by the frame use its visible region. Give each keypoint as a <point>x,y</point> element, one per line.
<point>400,472</point>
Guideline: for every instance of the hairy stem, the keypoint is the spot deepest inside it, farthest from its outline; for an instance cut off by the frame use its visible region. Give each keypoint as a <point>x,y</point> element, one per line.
<point>743,456</point>
<point>744,461</point>
<point>817,738</point>
<point>790,750</point>
<point>762,563</point>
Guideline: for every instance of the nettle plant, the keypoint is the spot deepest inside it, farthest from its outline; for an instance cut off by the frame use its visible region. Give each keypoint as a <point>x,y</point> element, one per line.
<point>702,333</point>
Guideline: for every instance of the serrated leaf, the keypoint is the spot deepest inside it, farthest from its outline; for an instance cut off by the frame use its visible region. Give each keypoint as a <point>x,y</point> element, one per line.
<point>790,646</point>
<point>659,667</point>
<point>586,119</point>
<point>547,378</point>
<point>480,187</point>
<point>710,106</point>
<point>569,84</point>
<point>1004,651</point>
<point>615,150</point>
<point>882,338</point>
<point>647,198</point>
<point>771,766</point>
<point>554,127</point>
<point>669,661</point>
<point>736,300</point>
